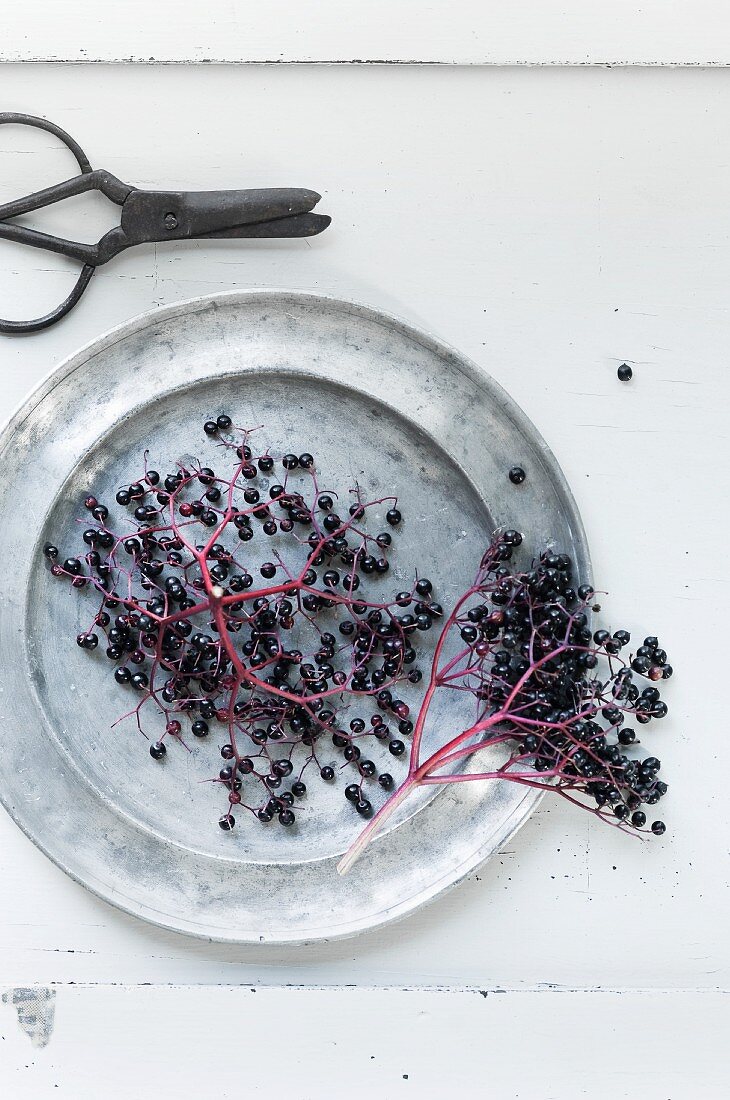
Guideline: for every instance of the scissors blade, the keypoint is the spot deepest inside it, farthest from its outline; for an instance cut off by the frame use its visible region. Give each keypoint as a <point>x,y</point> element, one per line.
<point>181,215</point>
<point>298,225</point>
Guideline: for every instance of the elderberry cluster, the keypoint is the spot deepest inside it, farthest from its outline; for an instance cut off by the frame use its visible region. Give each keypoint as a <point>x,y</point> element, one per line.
<point>563,692</point>
<point>296,659</point>
<point>248,604</point>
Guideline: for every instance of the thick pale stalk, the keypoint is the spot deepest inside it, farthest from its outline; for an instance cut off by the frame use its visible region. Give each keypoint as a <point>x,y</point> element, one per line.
<point>356,849</point>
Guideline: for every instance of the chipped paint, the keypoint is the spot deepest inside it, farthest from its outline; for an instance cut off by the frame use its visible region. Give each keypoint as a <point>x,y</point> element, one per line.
<point>36,1009</point>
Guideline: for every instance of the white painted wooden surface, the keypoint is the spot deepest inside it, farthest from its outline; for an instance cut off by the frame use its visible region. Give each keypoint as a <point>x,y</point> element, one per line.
<point>322,1044</point>
<point>551,224</point>
<point>551,32</point>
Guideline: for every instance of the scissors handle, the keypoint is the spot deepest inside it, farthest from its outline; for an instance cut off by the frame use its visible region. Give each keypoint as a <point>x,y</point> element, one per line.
<point>11,117</point>
<point>17,119</point>
<point>48,319</point>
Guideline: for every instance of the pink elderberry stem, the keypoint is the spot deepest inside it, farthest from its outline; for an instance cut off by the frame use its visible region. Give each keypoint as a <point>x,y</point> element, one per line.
<point>374,826</point>
<point>415,778</point>
<point>433,683</point>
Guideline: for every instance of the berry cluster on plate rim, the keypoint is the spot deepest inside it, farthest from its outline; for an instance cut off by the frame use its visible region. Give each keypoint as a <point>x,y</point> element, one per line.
<point>305,670</point>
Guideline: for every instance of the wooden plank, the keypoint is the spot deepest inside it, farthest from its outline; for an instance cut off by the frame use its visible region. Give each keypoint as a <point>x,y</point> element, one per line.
<point>549,223</point>
<point>467,32</point>
<point>317,1044</point>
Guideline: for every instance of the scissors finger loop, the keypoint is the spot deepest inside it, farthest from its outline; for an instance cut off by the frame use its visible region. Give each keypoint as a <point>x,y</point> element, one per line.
<point>49,319</point>
<point>15,119</point>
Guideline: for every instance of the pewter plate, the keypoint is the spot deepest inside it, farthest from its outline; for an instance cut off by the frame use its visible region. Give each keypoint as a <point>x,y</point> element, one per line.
<point>379,403</point>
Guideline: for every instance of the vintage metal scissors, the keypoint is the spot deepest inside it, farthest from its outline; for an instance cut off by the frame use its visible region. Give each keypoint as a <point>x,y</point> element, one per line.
<point>149,216</point>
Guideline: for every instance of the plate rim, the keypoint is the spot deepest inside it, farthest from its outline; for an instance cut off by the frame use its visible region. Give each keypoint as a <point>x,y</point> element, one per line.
<point>457,360</point>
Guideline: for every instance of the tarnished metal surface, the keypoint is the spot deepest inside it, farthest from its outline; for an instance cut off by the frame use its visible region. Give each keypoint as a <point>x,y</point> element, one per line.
<point>377,402</point>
